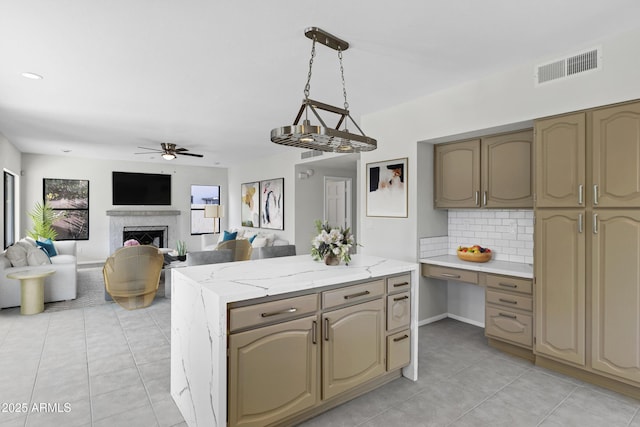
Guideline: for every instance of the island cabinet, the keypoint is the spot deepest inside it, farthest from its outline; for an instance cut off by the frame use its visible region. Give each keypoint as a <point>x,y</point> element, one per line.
<point>492,172</point>
<point>293,354</point>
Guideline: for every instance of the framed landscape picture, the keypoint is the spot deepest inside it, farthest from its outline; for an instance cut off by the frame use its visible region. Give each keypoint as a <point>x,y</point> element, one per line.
<point>69,198</point>
<point>387,194</point>
<point>272,204</point>
<point>250,205</point>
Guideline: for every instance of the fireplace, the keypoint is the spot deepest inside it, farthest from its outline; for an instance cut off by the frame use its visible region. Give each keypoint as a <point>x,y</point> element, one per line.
<point>147,235</point>
<point>138,222</point>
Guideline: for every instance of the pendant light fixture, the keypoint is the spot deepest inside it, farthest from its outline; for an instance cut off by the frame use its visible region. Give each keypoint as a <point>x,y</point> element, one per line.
<point>322,137</point>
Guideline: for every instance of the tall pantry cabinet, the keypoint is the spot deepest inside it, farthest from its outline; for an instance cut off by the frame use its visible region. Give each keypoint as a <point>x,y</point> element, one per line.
<point>587,240</point>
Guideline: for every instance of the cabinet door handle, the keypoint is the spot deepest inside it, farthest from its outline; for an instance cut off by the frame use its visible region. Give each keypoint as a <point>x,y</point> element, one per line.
<point>580,194</point>
<point>356,295</point>
<point>454,276</point>
<point>595,194</point>
<point>477,198</point>
<point>580,227</point>
<point>275,313</point>
<point>404,337</point>
<point>508,301</point>
<point>507,285</point>
<point>401,298</point>
<point>397,285</point>
<point>510,316</point>
<point>595,223</point>
<point>484,199</point>
<point>314,332</point>
<point>326,329</point>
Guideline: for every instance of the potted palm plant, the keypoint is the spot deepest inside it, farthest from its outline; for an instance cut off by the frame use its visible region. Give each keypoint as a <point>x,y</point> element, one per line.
<point>42,216</point>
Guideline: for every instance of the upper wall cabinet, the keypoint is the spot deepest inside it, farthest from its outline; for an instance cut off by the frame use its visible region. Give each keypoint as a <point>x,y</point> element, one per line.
<point>494,172</point>
<point>560,161</point>
<point>457,175</point>
<point>616,156</point>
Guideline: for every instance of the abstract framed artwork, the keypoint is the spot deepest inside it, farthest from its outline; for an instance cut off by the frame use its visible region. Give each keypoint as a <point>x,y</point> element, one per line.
<point>69,198</point>
<point>272,204</point>
<point>387,194</point>
<point>250,204</point>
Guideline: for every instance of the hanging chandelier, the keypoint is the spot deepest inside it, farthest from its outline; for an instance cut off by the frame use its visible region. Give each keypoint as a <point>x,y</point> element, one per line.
<point>322,137</point>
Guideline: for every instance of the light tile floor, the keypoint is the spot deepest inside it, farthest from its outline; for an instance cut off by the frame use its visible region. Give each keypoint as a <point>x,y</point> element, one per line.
<point>111,368</point>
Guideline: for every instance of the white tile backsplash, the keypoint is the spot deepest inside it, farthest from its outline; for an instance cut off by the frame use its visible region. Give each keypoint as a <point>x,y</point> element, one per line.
<point>508,233</point>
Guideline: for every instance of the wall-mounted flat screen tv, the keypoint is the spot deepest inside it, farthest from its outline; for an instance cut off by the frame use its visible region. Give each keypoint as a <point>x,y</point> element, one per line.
<point>131,188</point>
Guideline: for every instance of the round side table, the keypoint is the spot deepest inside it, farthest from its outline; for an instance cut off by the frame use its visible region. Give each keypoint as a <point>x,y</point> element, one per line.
<point>31,289</point>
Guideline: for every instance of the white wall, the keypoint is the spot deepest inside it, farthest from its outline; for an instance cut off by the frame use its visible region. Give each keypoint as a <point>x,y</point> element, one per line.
<point>10,160</point>
<point>98,172</point>
<point>501,99</point>
<point>309,202</point>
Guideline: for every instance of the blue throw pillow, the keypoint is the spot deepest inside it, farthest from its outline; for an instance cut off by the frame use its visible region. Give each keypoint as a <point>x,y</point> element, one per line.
<point>48,247</point>
<point>252,238</point>
<point>229,236</point>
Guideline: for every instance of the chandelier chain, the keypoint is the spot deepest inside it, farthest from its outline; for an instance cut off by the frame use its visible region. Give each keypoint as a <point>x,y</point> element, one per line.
<point>307,87</point>
<point>344,87</point>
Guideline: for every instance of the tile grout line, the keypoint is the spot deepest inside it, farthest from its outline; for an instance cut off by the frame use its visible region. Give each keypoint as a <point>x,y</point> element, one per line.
<point>633,416</point>
<point>144,384</point>
<point>35,380</point>
<point>490,396</point>
<point>558,405</point>
<point>86,348</point>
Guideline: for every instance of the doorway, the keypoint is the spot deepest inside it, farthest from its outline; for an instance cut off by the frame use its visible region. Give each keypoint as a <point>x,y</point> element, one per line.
<point>338,201</point>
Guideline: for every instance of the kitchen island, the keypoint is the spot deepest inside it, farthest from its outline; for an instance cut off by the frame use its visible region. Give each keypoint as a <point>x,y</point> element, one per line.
<point>203,296</point>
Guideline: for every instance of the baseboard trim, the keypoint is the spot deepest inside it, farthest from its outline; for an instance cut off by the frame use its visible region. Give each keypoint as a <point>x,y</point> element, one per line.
<point>453,316</point>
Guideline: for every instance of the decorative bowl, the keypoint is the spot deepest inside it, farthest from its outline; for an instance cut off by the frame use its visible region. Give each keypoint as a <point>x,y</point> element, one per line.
<point>475,256</point>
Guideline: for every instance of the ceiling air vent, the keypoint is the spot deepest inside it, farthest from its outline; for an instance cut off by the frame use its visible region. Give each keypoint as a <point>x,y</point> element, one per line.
<point>570,66</point>
<point>312,153</point>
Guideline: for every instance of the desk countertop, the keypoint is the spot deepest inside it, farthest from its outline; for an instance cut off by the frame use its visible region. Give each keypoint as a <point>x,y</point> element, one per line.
<point>497,267</point>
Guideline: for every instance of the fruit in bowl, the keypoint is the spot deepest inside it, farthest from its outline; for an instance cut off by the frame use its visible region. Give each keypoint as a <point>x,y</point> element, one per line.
<point>475,253</point>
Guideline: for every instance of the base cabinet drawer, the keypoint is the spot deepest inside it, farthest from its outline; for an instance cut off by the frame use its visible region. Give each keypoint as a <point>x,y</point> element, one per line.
<point>508,283</point>
<point>510,300</point>
<point>398,350</point>
<point>398,311</point>
<point>447,273</point>
<point>509,325</point>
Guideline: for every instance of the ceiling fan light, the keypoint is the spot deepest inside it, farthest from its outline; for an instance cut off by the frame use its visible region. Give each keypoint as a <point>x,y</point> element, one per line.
<point>168,156</point>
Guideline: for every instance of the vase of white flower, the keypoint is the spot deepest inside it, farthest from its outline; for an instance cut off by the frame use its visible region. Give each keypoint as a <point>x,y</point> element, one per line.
<point>332,244</point>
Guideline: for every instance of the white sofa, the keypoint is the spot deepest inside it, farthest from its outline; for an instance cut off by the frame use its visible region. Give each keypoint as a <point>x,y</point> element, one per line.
<point>263,238</point>
<point>60,286</point>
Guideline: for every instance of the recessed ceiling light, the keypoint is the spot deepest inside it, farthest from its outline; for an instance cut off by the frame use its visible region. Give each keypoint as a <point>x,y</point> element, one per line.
<point>32,76</point>
<point>66,151</point>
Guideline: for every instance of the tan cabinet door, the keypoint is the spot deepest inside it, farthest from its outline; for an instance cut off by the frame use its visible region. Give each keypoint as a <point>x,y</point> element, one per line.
<point>457,175</point>
<point>616,156</point>
<point>353,346</point>
<point>560,161</point>
<point>506,170</point>
<point>560,285</point>
<point>616,294</point>
<point>273,372</point>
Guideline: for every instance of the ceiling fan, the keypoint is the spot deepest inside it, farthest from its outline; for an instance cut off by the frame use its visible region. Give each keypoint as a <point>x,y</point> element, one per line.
<point>169,151</point>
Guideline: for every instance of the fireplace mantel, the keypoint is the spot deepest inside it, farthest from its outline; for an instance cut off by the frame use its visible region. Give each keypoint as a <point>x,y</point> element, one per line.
<point>145,212</point>
<point>121,218</point>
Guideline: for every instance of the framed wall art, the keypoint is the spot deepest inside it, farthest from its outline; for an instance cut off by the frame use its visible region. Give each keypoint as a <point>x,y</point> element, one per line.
<point>387,194</point>
<point>250,204</point>
<point>272,204</point>
<point>69,198</point>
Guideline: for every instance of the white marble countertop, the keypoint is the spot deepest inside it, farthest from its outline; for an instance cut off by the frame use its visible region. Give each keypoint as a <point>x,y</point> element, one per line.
<point>238,281</point>
<point>497,267</point>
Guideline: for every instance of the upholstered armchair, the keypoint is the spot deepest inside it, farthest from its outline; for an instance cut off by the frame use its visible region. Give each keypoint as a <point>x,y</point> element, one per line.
<point>132,274</point>
<point>241,248</point>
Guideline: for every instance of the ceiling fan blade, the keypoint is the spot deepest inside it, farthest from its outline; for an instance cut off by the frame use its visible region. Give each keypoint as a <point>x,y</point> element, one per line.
<point>189,154</point>
<point>181,149</point>
<point>152,149</point>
